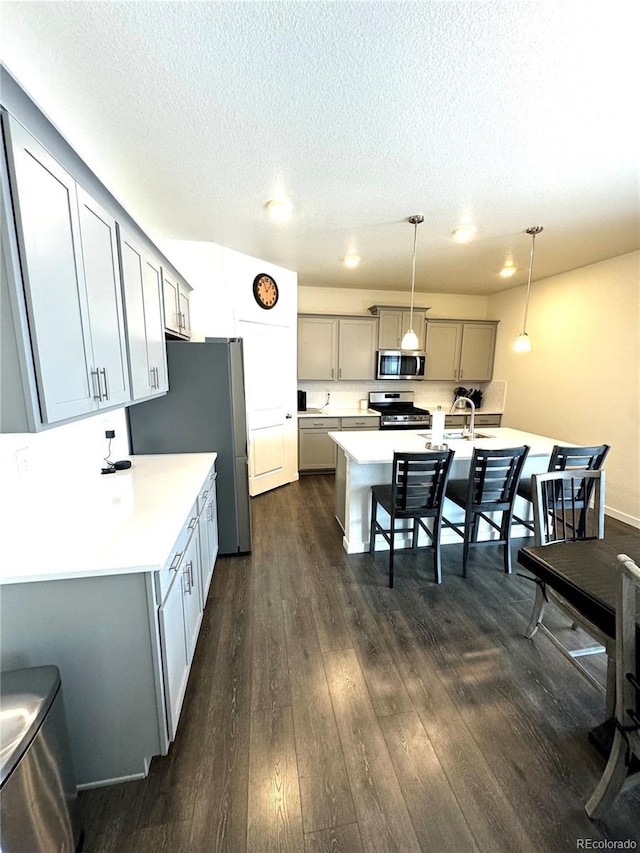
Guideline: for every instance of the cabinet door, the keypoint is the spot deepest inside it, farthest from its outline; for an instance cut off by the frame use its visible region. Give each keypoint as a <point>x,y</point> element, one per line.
<point>209,520</point>
<point>142,280</point>
<point>390,328</point>
<point>104,300</point>
<point>317,452</point>
<point>317,348</point>
<point>46,212</point>
<point>154,324</point>
<point>175,668</point>
<point>191,594</point>
<point>394,322</point>
<point>443,350</point>
<point>183,310</point>
<point>478,348</point>
<point>357,348</point>
<point>170,299</point>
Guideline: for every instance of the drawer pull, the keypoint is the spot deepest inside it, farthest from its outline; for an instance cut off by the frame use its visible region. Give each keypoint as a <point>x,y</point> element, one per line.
<point>175,562</point>
<point>193,522</point>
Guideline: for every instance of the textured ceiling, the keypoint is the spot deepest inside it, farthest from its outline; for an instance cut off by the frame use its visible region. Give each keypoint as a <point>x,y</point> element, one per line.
<point>505,114</point>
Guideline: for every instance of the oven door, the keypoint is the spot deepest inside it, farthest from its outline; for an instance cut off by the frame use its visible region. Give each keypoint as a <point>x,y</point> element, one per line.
<point>396,364</point>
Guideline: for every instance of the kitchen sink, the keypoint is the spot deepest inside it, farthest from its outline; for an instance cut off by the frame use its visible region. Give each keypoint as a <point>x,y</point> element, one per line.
<point>458,435</point>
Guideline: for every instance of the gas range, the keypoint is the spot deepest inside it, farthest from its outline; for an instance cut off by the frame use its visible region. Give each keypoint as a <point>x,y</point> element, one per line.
<point>397,410</point>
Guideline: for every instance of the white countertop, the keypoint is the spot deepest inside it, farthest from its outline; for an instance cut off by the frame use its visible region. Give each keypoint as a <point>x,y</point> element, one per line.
<point>335,412</point>
<point>102,524</point>
<point>375,447</point>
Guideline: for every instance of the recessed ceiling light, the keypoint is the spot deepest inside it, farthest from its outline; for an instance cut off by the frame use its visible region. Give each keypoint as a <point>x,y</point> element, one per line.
<point>351,260</point>
<point>508,270</point>
<point>464,233</point>
<point>279,209</point>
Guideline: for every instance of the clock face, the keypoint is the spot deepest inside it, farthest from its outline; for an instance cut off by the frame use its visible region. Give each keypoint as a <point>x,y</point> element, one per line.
<point>265,291</point>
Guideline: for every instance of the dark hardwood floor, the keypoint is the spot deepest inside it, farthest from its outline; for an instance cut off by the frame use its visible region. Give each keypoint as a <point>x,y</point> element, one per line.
<point>326,712</point>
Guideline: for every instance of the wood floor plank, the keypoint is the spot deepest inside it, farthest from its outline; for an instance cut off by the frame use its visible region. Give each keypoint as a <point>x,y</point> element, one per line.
<point>274,821</point>
<point>269,671</point>
<point>324,786</point>
<point>219,820</point>
<point>383,818</point>
<point>437,818</point>
<point>493,821</point>
<point>339,839</point>
<point>386,688</point>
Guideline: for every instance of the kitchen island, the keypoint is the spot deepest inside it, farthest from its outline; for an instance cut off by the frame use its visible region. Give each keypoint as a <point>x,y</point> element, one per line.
<point>364,459</point>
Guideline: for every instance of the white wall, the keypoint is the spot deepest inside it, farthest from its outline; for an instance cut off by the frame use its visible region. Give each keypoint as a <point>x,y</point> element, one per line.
<point>332,300</point>
<point>581,381</point>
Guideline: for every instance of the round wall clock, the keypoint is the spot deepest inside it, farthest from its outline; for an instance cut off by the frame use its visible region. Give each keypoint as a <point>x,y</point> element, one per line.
<point>265,290</point>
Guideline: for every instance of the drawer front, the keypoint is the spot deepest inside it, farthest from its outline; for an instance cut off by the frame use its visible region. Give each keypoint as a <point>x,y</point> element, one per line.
<point>168,572</point>
<point>319,423</point>
<point>205,491</point>
<point>371,422</point>
<point>488,420</point>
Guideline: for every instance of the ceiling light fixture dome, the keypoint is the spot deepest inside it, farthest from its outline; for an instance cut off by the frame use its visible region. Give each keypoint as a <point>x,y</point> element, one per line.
<point>464,233</point>
<point>410,339</point>
<point>279,209</point>
<point>523,342</point>
<point>351,260</point>
<point>508,270</point>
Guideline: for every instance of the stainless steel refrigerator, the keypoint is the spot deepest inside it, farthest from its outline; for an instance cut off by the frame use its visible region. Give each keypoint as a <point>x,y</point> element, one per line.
<point>204,411</point>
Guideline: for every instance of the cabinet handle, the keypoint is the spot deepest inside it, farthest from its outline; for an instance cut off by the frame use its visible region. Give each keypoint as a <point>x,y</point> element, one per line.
<point>187,574</point>
<point>175,562</point>
<point>210,511</point>
<point>95,378</point>
<point>340,373</point>
<point>204,495</point>
<point>460,373</point>
<point>152,381</point>
<point>103,373</point>
<point>193,522</point>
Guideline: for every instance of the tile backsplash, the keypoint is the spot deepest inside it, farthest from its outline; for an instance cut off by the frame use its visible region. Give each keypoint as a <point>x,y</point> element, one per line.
<point>429,395</point>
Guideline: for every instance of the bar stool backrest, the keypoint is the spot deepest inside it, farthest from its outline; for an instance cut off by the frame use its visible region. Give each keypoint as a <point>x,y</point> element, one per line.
<point>494,476</point>
<point>419,481</point>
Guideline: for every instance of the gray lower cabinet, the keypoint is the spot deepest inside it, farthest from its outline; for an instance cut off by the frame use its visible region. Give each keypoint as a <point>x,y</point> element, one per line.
<point>318,452</point>
<point>124,645</point>
<point>463,419</point>
<point>62,302</point>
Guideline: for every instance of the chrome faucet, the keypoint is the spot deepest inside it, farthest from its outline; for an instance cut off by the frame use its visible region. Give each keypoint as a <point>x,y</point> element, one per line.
<point>472,422</point>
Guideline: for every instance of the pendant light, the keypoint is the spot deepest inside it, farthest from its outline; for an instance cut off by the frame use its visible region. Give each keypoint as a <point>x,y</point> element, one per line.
<point>523,342</point>
<point>410,339</point>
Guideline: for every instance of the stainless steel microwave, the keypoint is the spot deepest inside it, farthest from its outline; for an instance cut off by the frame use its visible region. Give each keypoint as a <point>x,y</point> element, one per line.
<point>400,364</point>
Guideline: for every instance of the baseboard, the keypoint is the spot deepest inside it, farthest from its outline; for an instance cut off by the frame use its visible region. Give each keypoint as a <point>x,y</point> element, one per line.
<point>622,516</point>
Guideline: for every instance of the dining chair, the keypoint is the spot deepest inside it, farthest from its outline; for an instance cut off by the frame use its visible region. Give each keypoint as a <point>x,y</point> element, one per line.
<point>416,492</point>
<point>626,739</point>
<point>490,488</point>
<point>562,512</point>
<point>563,459</point>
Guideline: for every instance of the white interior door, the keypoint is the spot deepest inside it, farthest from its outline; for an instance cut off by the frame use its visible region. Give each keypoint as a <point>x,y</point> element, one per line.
<point>270,380</point>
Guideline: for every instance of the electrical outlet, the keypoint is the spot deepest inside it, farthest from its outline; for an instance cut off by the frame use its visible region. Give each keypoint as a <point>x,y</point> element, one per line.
<point>22,460</point>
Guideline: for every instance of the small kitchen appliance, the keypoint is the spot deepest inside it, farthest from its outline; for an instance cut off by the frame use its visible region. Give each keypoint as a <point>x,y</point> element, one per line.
<point>400,364</point>
<point>302,401</point>
<point>397,410</point>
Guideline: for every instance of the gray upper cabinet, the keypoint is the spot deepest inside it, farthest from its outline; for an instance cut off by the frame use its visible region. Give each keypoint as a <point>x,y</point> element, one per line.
<point>142,280</point>
<point>460,350</point>
<point>336,347</point>
<point>64,244</point>
<point>394,322</point>
<point>176,306</point>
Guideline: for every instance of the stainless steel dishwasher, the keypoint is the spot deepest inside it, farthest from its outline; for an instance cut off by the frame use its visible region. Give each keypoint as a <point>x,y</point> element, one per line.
<point>38,797</point>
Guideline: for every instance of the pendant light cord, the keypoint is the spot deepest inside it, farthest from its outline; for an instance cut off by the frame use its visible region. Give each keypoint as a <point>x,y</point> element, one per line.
<point>534,230</point>
<point>413,273</point>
